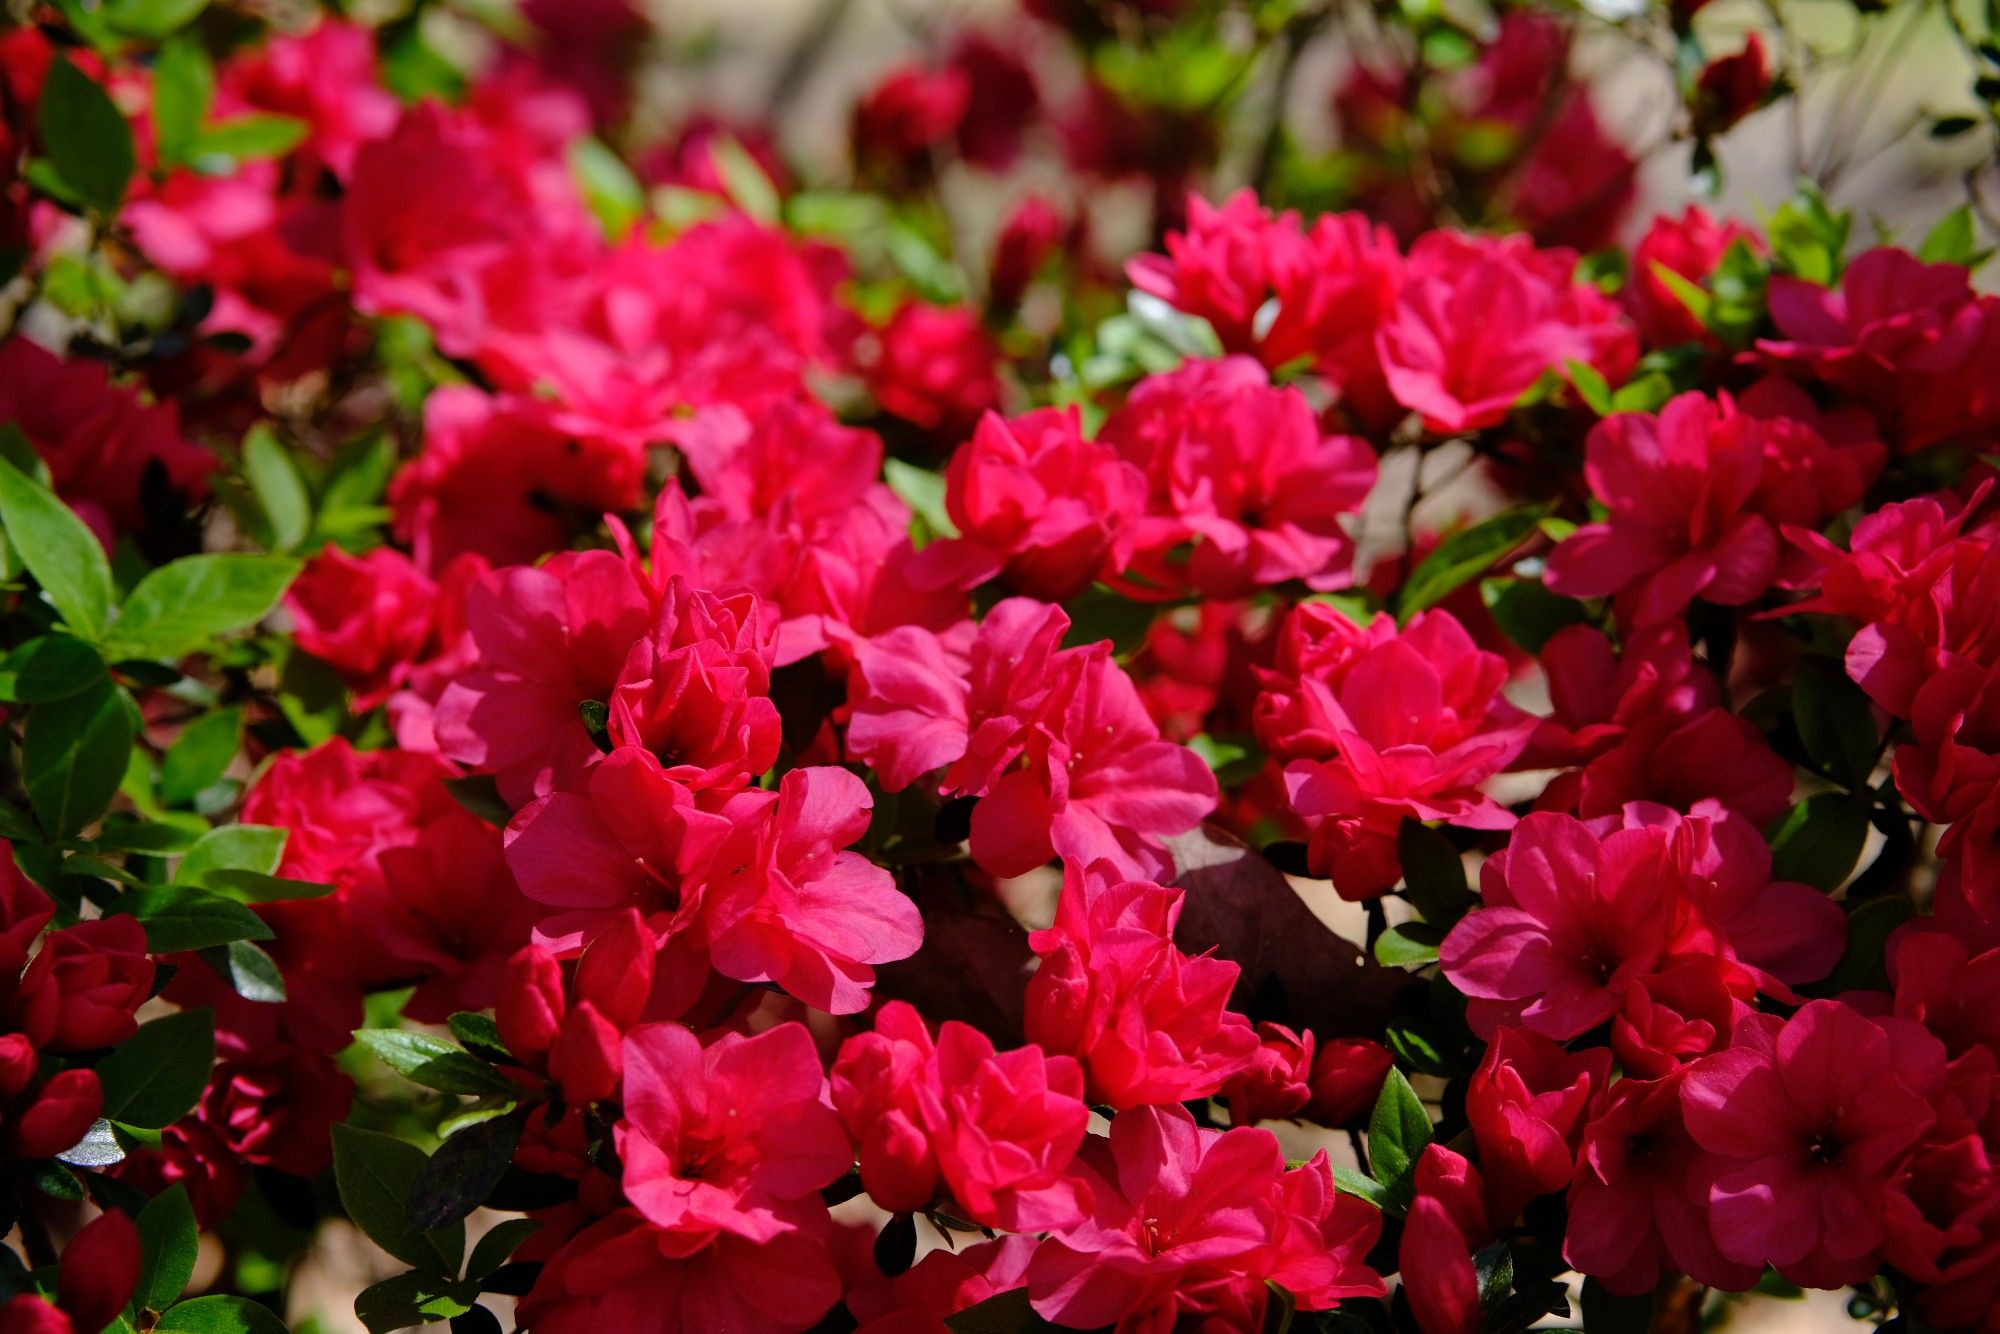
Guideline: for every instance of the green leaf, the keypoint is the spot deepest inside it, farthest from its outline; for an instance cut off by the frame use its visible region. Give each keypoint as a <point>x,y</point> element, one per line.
<point>476,1030</point>
<point>256,887</point>
<point>154,1077</point>
<point>180,607</point>
<point>169,1240</point>
<point>86,137</point>
<point>1397,1134</point>
<point>149,836</point>
<point>1952,241</point>
<point>62,554</point>
<point>1819,840</point>
<point>251,972</point>
<point>51,667</point>
<point>279,489</point>
<point>1862,966</point>
<point>500,1242</point>
<point>923,491</point>
<point>433,1062</point>
<point>54,1180</point>
<point>1591,387</point>
<point>1433,874</point>
<point>200,755</point>
<point>152,19</point>
<point>1837,726</point>
<point>1527,612</point>
<point>245,138</point>
<point>238,847</point>
<point>1605,1312</point>
<point>73,756</point>
<point>1098,613</point>
<point>1409,945</point>
<point>183,89</point>
<point>180,917</point>
<point>311,695</point>
<point>744,178</point>
<point>413,1299</point>
<point>374,1173</point>
<point>464,1172</point>
<point>1465,556</point>
<point>479,795</point>
<point>220,1315</point>
<point>610,190</point>
<point>1362,1187</point>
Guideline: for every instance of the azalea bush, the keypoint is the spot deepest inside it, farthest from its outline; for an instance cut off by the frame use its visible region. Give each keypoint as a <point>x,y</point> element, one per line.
<point>1130,706</point>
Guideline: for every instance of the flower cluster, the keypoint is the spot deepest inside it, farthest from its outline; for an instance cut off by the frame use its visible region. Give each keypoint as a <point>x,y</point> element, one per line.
<point>1351,756</point>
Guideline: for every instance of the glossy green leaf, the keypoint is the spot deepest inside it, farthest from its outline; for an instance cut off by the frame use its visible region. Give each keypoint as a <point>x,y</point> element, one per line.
<point>155,1076</point>
<point>433,1062</point>
<point>182,606</point>
<point>200,755</point>
<point>58,549</point>
<point>220,1315</point>
<point>169,1241</point>
<point>1465,556</point>
<point>181,917</point>
<point>374,1173</point>
<point>236,847</point>
<point>73,755</point>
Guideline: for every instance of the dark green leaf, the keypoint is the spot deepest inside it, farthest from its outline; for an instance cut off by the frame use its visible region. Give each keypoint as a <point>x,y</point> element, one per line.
<point>86,137</point>
<point>499,1242</point>
<point>311,695</point>
<point>249,970</point>
<point>179,917</point>
<point>413,1299</point>
<point>151,836</point>
<point>1605,1312</point>
<point>374,1173</point>
<point>1837,726</point>
<point>73,756</point>
<point>62,554</point>
<point>237,847</point>
<point>464,1171</point>
<point>1098,613</point>
<point>169,1240</point>
<point>1819,840</point>
<point>1004,1313</point>
<point>51,667</point>
<point>183,88</point>
<point>279,489</point>
<point>1869,926</point>
<point>476,1030</point>
<point>180,607</point>
<point>200,755</point>
<point>1493,1265</point>
<point>1433,874</point>
<point>1465,556</point>
<point>433,1062</point>
<point>153,1077</point>
<point>254,887</point>
<point>1407,946</point>
<point>54,1180</point>
<point>1397,1133</point>
<point>1527,612</point>
<point>220,1315</point>
<point>480,796</point>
